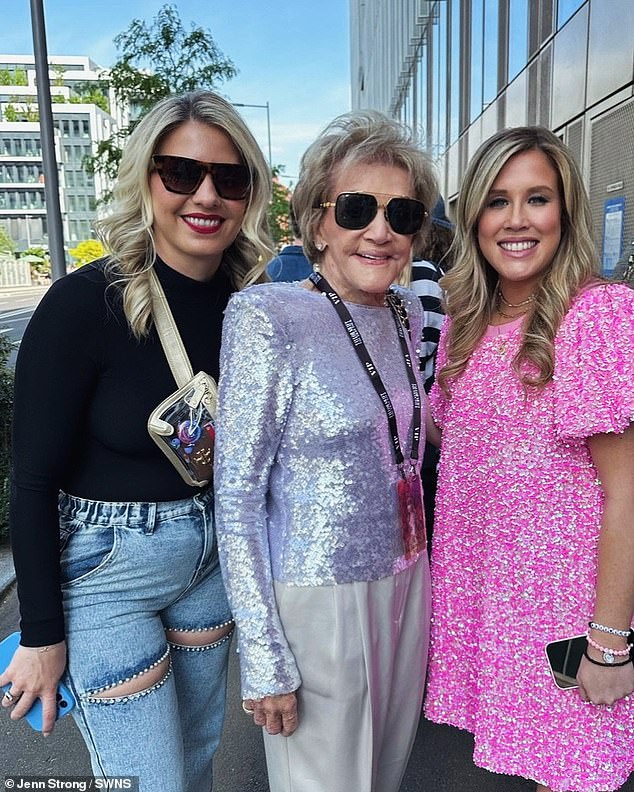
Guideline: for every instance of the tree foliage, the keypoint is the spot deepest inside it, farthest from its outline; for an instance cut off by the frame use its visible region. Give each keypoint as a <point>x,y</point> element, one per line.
<point>42,266</point>
<point>17,77</point>
<point>279,209</point>
<point>23,112</point>
<point>86,251</point>
<point>162,57</point>
<point>7,245</point>
<point>157,59</point>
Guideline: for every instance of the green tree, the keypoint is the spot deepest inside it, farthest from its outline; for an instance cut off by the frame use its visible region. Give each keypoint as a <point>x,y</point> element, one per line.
<point>28,113</point>
<point>6,415</point>
<point>86,251</point>
<point>158,59</point>
<point>58,71</point>
<point>7,245</point>
<point>279,208</point>
<point>42,266</point>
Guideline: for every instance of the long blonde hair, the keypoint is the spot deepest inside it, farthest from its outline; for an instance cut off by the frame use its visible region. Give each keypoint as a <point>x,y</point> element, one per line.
<point>471,284</point>
<point>127,229</point>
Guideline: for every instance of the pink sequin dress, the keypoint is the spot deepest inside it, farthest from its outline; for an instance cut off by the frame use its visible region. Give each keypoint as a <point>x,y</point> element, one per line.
<point>515,545</point>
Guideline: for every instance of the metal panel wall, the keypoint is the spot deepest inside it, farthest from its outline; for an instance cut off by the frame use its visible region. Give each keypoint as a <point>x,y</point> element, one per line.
<point>612,173</point>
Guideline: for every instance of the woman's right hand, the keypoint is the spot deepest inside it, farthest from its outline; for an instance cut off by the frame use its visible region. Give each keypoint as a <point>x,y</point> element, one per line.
<point>34,673</point>
<point>277,714</point>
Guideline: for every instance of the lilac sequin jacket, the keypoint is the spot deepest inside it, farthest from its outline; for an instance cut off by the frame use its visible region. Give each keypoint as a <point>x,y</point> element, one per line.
<point>305,476</point>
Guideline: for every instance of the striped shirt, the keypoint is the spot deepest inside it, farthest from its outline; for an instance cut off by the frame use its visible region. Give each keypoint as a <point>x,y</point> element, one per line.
<point>425,277</point>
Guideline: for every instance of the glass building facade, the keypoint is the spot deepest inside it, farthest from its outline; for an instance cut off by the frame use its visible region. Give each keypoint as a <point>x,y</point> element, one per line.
<point>459,70</point>
<point>79,126</point>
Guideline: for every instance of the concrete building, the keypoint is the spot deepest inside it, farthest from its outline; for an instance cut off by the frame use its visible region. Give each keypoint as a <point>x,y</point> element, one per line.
<point>84,113</point>
<point>462,69</point>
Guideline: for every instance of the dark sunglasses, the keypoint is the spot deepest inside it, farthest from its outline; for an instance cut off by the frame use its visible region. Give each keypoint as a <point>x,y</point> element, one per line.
<point>356,210</point>
<point>184,176</point>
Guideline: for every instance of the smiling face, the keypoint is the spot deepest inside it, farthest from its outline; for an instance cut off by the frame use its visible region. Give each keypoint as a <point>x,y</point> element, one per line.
<point>519,229</point>
<point>191,232</point>
<point>361,265</point>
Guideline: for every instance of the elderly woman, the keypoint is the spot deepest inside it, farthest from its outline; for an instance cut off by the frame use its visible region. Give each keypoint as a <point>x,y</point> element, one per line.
<point>321,425</point>
<point>115,553</point>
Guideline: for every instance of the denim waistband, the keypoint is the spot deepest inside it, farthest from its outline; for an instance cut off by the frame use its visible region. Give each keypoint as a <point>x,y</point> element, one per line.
<point>130,513</point>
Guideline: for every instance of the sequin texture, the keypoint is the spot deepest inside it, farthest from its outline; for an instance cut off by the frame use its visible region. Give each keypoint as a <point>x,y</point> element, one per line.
<point>305,479</point>
<point>515,543</point>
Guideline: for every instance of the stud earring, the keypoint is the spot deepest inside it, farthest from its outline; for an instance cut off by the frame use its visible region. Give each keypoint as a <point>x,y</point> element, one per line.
<point>320,246</point>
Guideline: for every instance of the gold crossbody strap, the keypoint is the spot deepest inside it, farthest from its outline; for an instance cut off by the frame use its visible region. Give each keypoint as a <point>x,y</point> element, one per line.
<point>168,334</point>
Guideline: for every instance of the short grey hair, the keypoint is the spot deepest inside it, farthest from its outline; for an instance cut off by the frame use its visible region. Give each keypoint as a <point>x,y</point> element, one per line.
<point>360,137</point>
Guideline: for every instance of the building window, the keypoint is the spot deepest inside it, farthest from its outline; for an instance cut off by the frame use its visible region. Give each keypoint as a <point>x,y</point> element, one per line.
<point>439,129</point>
<point>421,85</point>
<point>491,25</point>
<point>565,9</point>
<point>477,64</point>
<point>518,37</point>
<point>454,107</point>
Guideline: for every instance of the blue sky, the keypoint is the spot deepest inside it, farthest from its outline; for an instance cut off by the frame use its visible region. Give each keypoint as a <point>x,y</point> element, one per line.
<point>292,53</point>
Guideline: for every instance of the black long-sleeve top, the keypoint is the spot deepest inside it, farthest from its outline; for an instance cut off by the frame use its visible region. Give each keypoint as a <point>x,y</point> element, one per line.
<point>84,388</point>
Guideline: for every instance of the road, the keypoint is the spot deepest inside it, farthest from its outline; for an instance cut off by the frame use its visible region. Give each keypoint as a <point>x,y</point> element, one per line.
<point>16,308</point>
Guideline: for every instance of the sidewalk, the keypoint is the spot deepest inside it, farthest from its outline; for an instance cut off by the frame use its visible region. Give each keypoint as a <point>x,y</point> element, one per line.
<point>7,572</point>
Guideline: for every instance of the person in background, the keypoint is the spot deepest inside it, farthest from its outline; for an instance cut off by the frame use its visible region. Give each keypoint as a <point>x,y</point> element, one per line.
<point>115,555</point>
<point>624,270</point>
<point>430,263</point>
<point>291,263</point>
<point>534,533</point>
<point>321,422</point>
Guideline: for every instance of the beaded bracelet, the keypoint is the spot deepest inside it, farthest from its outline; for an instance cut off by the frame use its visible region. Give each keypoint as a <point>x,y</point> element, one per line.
<point>611,630</point>
<point>606,665</point>
<point>608,649</point>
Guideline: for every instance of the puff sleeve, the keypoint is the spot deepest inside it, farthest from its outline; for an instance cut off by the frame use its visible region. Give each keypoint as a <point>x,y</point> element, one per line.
<point>594,363</point>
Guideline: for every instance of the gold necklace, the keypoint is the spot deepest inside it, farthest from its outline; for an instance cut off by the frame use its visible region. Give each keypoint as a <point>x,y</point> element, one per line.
<point>502,298</point>
<point>511,316</point>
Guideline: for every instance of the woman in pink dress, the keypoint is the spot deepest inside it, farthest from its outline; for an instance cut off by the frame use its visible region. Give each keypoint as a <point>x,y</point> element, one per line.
<point>534,537</point>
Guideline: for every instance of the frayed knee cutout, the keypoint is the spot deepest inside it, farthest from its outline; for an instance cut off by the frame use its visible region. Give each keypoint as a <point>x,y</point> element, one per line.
<point>198,640</point>
<point>131,688</point>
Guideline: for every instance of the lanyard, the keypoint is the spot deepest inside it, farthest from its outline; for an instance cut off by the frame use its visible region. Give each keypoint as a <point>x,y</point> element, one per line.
<point>375,378</point>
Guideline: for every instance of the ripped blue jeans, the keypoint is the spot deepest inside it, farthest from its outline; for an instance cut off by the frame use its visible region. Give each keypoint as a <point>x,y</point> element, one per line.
<point>148,629</point>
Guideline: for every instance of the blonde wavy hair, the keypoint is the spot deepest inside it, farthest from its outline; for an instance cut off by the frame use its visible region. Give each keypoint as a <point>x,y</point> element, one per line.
<point>127,229</point>
<point>471,284</point>
<point>364,137</point>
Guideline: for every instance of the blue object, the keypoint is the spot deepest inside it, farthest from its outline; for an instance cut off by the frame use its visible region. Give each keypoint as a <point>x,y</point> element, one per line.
<point>290,265</point>
<point>65,699</point>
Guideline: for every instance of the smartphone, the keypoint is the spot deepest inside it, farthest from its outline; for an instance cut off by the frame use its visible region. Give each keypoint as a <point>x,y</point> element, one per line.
<point>564,658</point>
<point>65,699</point>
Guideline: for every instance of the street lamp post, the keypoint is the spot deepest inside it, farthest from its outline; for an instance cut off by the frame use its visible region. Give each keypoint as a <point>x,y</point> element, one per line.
<point>268,122</point>
<point>47,134</point>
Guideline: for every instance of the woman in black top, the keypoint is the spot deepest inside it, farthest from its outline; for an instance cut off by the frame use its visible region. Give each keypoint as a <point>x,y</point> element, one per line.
<point>134,602</point>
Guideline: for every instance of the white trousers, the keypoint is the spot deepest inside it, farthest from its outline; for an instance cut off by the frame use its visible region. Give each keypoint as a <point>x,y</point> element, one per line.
<point>361,649</point>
